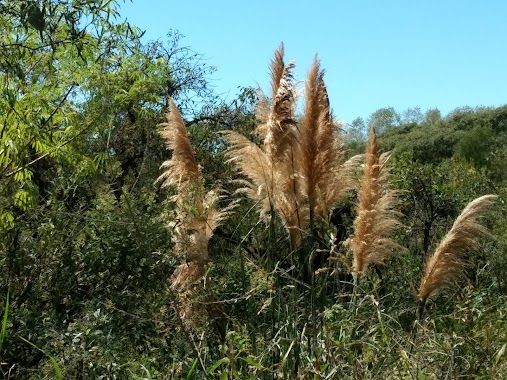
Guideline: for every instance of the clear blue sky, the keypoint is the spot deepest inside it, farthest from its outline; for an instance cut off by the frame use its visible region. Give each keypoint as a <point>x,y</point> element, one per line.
<point>430,54</point>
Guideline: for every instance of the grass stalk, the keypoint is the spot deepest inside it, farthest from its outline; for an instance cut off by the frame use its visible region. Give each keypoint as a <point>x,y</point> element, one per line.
<point>56,366</point>
<point>3,331</point>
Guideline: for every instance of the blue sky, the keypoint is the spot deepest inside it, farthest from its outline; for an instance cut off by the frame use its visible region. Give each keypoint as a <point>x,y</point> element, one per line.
<point>427,54</point>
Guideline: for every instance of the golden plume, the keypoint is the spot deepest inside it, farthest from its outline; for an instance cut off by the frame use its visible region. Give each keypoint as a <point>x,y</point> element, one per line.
<point>444,266</point>
<point>277,121</point>
<point>253,162</point>
<point>281,124</point>
<point>323,174</point>
<point>182,168</point>
<point>376,214</point>
<point>308,147</point>
<point>268,168</point>
<point>299,170</point>
<point>196,213</point>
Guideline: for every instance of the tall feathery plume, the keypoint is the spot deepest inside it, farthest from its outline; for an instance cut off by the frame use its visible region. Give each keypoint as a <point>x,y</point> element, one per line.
<point>183,173</point>
<point>196,217</point>
<point>324,175</point>
<point>376,213</point>
<point>299,170</point>
<point>309,140</point>
<point>336,176</point>
<point>182,169</point>
<point>279,146</point>
<point>262,107</point>
<point>280,126</point>
<point>445,265</point>
<point>269,167</point>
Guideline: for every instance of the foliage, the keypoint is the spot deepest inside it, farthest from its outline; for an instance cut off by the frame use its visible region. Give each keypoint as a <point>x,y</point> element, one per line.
<point>87,257</point>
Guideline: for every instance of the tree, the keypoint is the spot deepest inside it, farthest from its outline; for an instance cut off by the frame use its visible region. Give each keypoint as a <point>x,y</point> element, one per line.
<point>476,145</point>
<point>383,118</point>
<point>80,106</point>
<point>434,193</point>
<point>356,130</point>
<point>45,49</point>
<point>412,115</point>
<point>432,116</point>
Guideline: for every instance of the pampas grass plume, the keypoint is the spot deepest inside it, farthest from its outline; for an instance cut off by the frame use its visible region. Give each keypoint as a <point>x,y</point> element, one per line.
<point>446,263</point>
<point>376,213</point>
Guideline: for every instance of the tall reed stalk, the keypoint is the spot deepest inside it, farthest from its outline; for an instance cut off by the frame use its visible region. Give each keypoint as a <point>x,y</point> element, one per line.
<point>376,218</point>
<point>377,215</point>
<point>299,170</point>
<point>196,218</point>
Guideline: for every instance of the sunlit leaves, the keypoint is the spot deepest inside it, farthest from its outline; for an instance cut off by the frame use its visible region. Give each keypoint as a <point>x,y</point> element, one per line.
<point>22,199</point>
<point>47,56</point>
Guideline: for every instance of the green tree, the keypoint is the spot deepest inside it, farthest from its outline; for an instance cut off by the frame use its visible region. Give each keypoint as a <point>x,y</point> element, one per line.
<point>432,116</point>
<point>434,193</point>
<point>412,115</point>
<point>81,226</point>
<point>475,145</point>
<point>383,119</point>
<point>45,50</point>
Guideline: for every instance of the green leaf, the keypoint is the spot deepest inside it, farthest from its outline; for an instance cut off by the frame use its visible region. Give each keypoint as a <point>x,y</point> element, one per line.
<point>192,369</point>
<point>3,331</point>
<point>214,367</point>
<point>252,362</point>
<point>56,367</point>
<point>148,374</point>
<point>6,219</point>
<point>500,353</point>
<point>22,199</point>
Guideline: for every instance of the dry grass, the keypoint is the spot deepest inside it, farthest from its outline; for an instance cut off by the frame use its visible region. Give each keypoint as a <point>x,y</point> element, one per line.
<point>444,266</point>
<point>376,213</point>
<point>182,169</point>
<point>278,125</point>
<point>324,174</point>
<point>196,214</point>
<point>269,168</point>
<point>299,171</point>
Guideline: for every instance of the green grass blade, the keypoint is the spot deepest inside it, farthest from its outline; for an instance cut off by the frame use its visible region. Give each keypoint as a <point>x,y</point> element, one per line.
<point>148,373</point>
<point>58,372</point>
<point>192,370</point>
<point>3,331</point>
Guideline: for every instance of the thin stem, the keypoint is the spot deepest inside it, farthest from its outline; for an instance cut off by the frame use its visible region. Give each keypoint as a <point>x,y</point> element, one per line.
<point>353,301</point>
